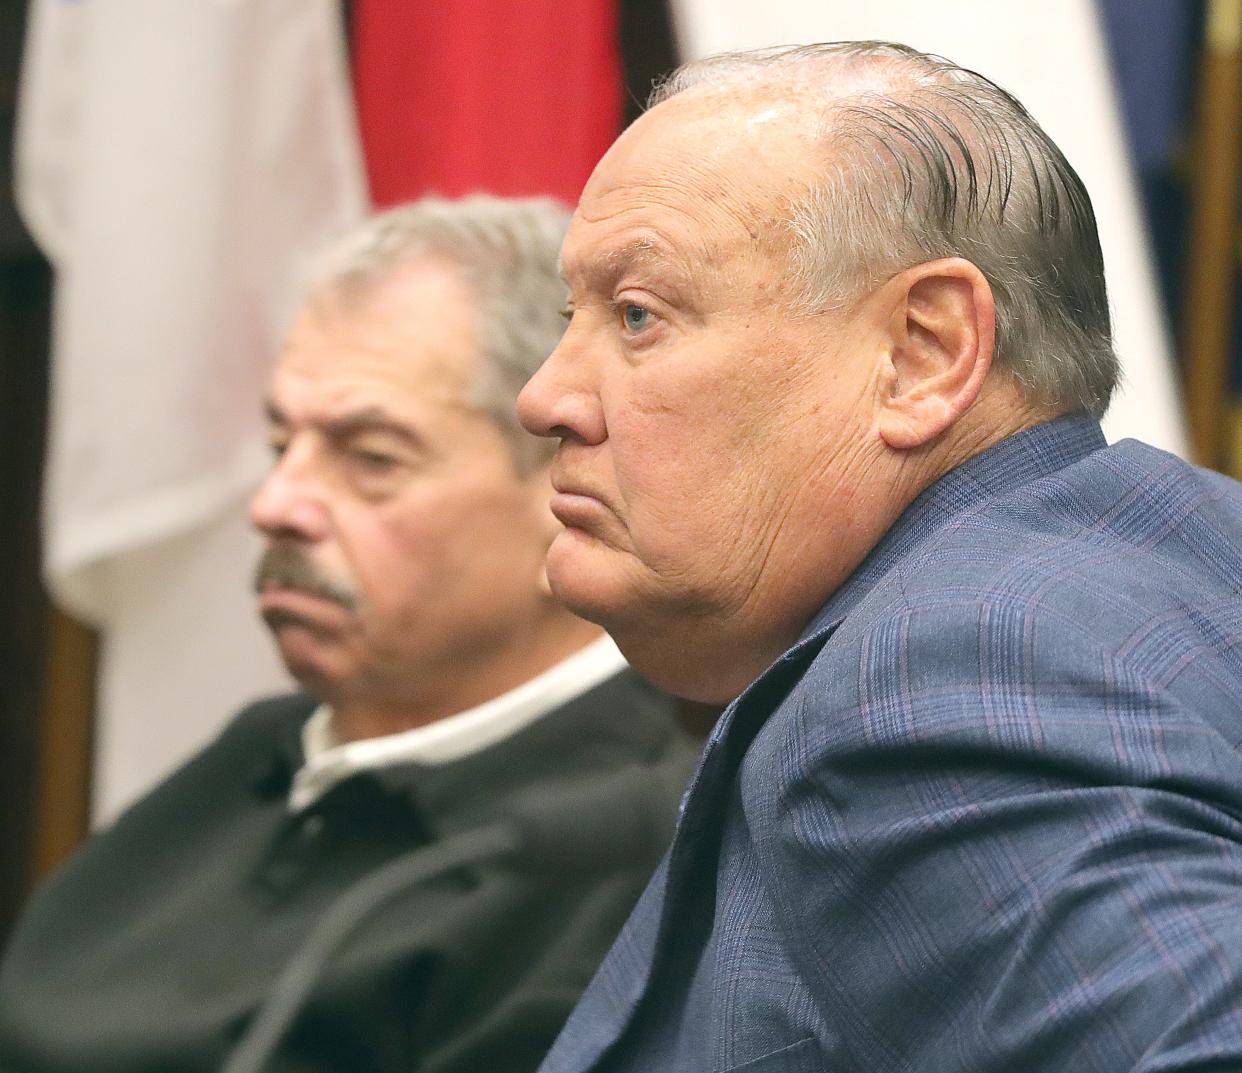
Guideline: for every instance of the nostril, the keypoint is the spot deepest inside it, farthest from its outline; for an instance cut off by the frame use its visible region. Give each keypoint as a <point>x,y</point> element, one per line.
<point>285,532</point>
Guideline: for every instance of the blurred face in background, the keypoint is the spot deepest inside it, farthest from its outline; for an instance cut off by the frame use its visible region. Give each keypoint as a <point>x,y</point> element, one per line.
<point>405,549</point>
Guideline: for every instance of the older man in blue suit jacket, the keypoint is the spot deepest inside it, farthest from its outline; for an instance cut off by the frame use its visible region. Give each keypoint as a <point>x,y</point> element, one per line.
<point>828,413</point>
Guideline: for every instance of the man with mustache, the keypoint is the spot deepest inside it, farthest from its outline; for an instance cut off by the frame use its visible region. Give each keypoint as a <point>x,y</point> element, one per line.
<point>431,849</point>
<point>827,410</point>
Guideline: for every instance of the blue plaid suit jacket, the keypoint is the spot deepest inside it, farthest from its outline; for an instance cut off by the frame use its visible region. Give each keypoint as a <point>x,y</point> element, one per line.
<point>985,816</point>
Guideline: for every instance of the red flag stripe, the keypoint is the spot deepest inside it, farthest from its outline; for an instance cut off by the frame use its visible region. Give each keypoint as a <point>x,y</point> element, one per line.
<point>464,95</point>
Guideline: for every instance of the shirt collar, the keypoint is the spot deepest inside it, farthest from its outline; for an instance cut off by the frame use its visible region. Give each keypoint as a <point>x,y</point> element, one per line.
<point>327,761</point>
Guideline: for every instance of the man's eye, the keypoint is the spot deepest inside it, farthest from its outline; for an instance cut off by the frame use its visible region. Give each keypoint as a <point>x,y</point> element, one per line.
<point>636,317</point>
<point>376,461</point>
<point>567,311</point>
<point>277,447</point>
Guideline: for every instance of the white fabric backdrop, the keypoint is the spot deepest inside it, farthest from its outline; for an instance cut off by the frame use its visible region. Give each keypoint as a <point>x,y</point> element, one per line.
<point>1052,56</point>
<point>174,161</point>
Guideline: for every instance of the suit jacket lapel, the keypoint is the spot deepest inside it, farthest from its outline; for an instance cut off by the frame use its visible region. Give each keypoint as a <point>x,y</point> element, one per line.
<point>664,921</point>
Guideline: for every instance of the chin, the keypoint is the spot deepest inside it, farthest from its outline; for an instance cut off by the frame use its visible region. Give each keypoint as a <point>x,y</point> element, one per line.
<point>665,636</point>
<point>313,663</point>
<point>588,593</point>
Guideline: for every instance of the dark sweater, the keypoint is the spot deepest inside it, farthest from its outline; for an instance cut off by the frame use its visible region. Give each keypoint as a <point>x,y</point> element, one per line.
<point>153,948</point>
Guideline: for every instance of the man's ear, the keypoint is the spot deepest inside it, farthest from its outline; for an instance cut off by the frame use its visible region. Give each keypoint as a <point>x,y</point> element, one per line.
<point>941,329</point>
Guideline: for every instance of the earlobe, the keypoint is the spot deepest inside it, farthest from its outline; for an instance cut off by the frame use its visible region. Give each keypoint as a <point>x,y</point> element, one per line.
<point>941,335</point>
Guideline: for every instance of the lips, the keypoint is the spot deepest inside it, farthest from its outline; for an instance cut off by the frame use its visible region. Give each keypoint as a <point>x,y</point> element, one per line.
<point>576,499</point>
<point>577,510</point>
<point>578,502</point>
<point>281,605</point>
<point>573,480</point>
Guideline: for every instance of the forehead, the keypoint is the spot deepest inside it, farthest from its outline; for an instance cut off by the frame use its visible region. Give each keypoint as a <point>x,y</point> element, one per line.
<point>689,182</point>
<point>411,337</point>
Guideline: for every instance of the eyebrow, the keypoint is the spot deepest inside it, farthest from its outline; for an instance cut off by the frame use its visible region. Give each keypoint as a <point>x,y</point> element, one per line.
<point>604,271</point>
<point>366,419</point>
<point>274,414</point>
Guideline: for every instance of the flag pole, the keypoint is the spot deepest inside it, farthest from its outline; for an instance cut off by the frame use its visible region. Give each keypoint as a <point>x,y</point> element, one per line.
<point>66,730</point>
<point>1208,309</point>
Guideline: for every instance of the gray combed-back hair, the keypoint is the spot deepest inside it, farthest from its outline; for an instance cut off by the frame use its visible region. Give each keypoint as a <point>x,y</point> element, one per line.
<point>506,250</point>
<point>933,160</point>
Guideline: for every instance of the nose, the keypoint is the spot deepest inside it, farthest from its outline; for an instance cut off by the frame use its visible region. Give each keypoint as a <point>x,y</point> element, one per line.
<point>290,504</point>
<point>560,400</point>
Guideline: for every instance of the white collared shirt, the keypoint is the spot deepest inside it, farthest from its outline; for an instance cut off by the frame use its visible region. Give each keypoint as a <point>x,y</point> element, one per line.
<point>328,761</point>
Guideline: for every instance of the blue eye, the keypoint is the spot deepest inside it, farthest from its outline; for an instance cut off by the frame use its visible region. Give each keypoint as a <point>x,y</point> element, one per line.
<point>636,317</point>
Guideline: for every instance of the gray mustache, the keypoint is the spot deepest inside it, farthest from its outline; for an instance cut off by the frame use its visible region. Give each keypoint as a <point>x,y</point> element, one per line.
<point>289,566</point>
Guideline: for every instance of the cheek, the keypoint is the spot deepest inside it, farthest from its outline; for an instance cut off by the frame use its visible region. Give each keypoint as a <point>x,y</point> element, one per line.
<point>705,474</point>
<point>390,562</point>
<point>685,496</point>
<point>700,445</point>
<point>444,541</point>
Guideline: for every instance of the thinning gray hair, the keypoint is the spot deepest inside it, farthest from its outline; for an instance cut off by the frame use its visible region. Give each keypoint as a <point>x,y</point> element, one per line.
<point>938,161</point>
<point>506,250</point>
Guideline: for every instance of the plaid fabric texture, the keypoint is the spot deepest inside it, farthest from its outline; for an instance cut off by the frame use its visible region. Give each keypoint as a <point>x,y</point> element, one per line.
<point>986,816</point>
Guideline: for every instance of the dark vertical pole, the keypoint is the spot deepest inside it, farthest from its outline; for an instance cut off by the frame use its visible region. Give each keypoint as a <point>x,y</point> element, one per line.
<point>1209,295</point>
<point>24,293</point>
<point>25,288</point>
<point>62,807</point>
<point>46,665</point>
<point>648,50</point>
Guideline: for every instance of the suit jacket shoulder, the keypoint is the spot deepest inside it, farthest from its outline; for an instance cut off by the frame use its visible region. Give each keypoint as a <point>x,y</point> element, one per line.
<point>1017,760</point>
<point>986,814</point>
